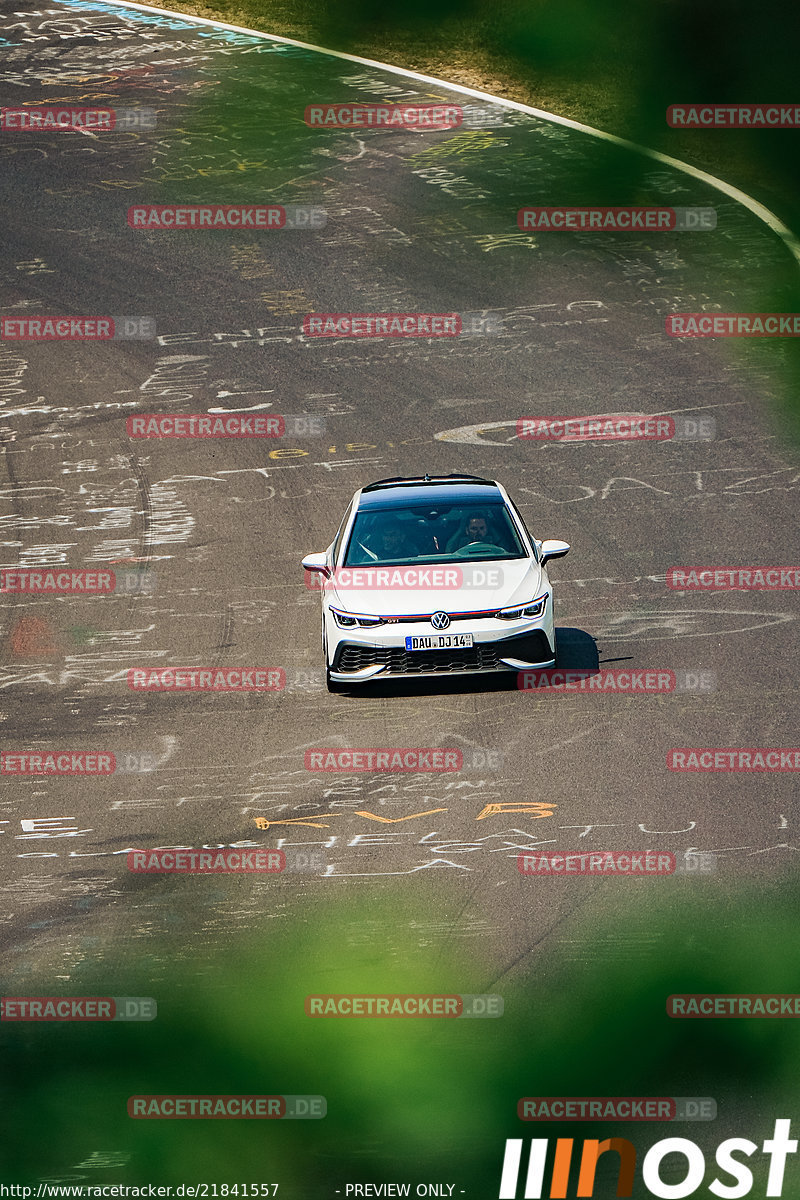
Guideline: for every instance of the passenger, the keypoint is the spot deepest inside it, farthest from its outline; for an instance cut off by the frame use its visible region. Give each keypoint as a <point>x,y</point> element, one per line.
<point>393,543</point>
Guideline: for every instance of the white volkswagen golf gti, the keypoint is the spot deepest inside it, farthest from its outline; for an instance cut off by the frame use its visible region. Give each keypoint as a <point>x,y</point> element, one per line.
<point>434,576</point>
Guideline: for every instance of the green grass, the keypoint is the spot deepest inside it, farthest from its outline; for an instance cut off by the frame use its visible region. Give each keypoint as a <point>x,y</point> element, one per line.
<point>612,64</point>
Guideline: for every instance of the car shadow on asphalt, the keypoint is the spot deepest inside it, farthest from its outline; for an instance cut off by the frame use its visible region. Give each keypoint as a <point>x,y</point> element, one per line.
<point>576,651</point>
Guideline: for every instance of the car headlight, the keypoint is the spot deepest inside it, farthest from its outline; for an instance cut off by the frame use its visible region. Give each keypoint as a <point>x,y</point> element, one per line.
<point>533,608</point>
<point>349,620</point>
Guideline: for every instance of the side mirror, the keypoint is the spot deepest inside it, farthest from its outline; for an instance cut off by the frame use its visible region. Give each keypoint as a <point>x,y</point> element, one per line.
<point>317,562</point>
<point>553,549</point>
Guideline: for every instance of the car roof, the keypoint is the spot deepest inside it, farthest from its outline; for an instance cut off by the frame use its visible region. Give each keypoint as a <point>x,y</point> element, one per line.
<point>429,489</point>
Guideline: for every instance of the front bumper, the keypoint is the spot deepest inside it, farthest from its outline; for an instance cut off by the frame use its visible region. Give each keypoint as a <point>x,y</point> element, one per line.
<point>359,661</point>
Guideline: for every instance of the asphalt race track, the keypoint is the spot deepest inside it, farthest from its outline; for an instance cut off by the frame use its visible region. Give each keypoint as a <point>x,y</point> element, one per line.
<point>207,534</point>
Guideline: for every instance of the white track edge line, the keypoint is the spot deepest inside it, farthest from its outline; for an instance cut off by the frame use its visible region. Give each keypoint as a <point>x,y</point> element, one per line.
<point>790,239</point>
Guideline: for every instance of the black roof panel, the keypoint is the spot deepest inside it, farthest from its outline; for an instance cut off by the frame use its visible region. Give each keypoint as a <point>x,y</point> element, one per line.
<point>452,489</point>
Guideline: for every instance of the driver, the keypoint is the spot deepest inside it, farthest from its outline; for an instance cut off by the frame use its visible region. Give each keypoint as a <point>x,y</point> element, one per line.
<point>475,529</point>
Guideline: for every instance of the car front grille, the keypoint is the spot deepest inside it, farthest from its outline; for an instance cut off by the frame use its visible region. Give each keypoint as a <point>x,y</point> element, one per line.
<point>483,656</point>
<point>416,662</point>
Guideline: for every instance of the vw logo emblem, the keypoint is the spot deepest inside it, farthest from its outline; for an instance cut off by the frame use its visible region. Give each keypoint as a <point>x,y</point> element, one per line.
<point>440,620</point>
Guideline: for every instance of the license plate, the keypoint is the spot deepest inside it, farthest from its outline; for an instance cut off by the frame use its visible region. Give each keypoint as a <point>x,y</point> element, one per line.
<point>440,641</point>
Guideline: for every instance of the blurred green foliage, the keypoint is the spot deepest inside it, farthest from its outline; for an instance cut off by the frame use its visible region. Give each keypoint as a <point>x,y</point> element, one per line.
<point>416,1099</point>
<point>616,64</point>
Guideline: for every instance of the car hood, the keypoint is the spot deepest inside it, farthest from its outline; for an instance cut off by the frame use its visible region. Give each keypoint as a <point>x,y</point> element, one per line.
<point>501,585</point>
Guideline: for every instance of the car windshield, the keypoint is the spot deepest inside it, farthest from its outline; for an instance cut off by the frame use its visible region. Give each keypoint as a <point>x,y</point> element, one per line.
<point>447,533</point>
